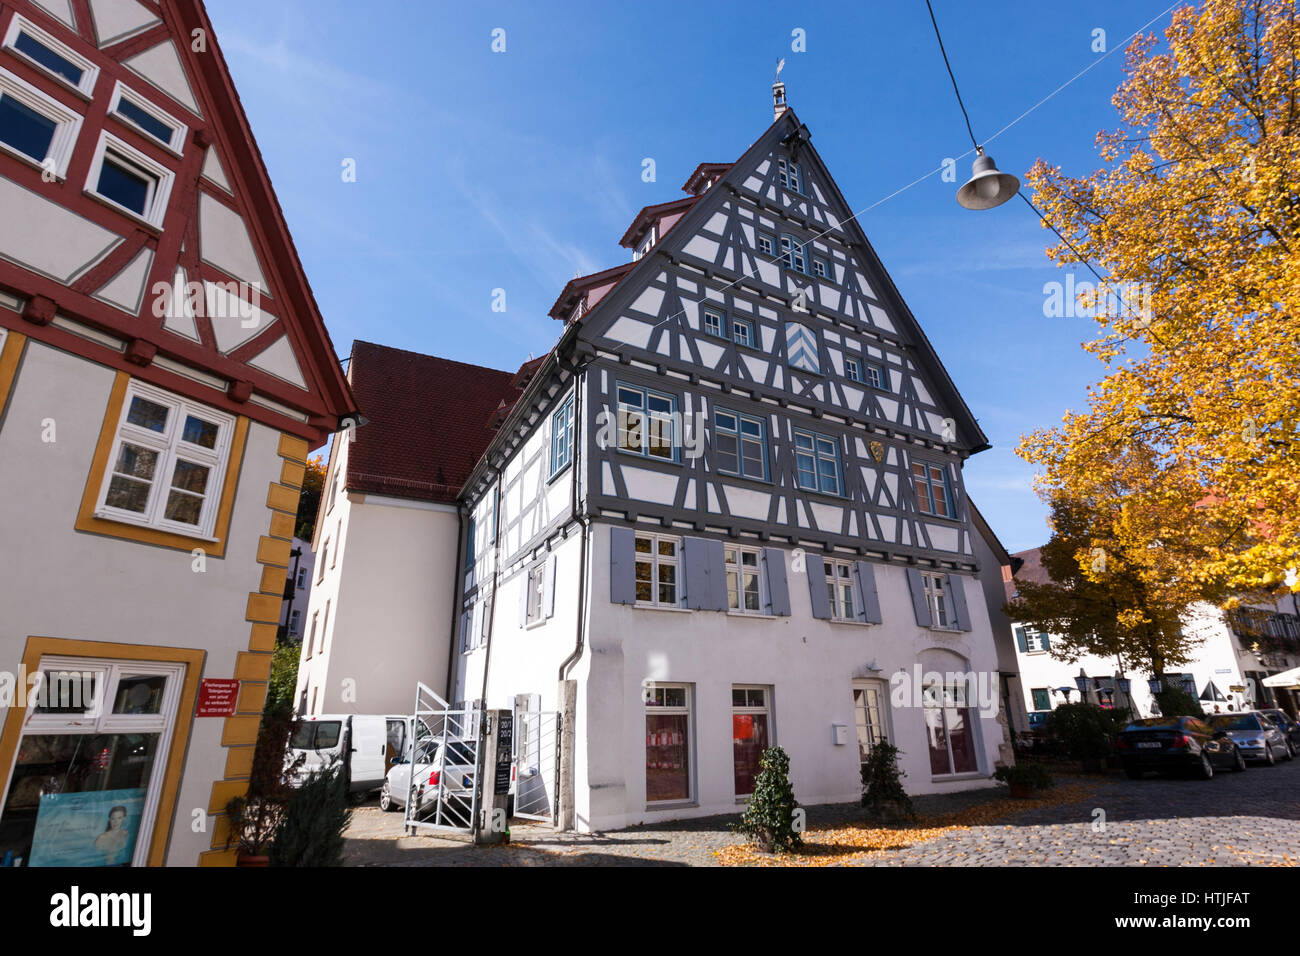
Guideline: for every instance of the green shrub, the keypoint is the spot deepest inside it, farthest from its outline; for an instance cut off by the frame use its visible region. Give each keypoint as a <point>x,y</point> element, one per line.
<point>311,833</point>
<point>1083,731</point>
<point>1032,775</point>
<point>1176,702</point>
<point>882,784</point>
<point>769,819</point>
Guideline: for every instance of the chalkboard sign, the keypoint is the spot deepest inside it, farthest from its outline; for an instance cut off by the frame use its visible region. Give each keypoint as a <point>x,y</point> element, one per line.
<point>505,753</point>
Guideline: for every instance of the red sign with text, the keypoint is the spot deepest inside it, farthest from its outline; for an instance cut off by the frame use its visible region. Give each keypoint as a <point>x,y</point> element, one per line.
<point>217,698</point>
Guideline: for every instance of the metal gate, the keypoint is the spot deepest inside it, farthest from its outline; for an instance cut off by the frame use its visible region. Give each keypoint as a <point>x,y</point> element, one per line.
<point>537,764</point>
<point>441,764</point>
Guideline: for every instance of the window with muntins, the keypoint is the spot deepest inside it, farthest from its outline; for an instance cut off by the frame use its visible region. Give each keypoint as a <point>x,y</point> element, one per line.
<point>562,436</point>
<point>839,589</point>
<point>744,580</point>
<point>817,463</point>
<point>766,244</point>
<point>658,570</point>
<point>667,743</point>
<point>788,174</point>
<point>645,422</point>
<point>750,734</point>
<point>936,597</point>
<point>933,494</point>
<point>740,443</point>
<point>742,332</point>
<point>852,371</point>
<point>167,463</point>
<point>792,254</point>
<point>714,323</point>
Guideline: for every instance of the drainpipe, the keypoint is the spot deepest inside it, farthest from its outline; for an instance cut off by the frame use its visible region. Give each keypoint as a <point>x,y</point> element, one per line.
<point>578,506</point>
<point>458,601</point>
<point>475,826</point>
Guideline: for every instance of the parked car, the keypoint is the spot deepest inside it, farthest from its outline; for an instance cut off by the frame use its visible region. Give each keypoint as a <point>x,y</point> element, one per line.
<point>445,767</point>
<point>1167,744</point>
<point>1287,724</point>
<point>1255,735</point>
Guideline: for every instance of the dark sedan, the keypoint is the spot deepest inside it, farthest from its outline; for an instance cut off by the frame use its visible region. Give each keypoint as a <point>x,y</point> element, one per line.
<point>1287,724</point>
<point>1176,743</point>
<point>1257,737</point>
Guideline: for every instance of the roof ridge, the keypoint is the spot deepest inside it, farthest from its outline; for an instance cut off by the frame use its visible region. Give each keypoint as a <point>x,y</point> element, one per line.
<point>435,358</point>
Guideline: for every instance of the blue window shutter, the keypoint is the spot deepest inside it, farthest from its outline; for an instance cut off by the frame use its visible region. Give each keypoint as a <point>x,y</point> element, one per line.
<point>821,604</point>
<point>778,587</point>
<point>1047,641</point>
<point>695,558</point>
<point>1022,642</point>
<point>920,606</point>
<point>870,600</point>
<point>622,565</point>
<point>953,584</point>
<point>717,566</point>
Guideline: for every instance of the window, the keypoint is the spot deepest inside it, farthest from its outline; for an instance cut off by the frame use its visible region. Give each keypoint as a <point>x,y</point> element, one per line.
<point>667,743</point>
<point>334,491</point>
<point>470,544</point>
<point>766,244</point>
<point>324,559</point>
<point>948,722</point>
<point>34,126</point>
<point>852,371</point>
<point>1035,643</point>
<point>742,332</point>
<point>657,570</point>
<point>30,43</point>
<point>817,462</point>
<point>302,578</point>
<point>839,589</point>
<point>869,716</point>
<point>744,580</point>
<point>141,115</point>
<point>820,269</point>
<point>750,733</point>
<point>1042,698</point>
<point>741,444</point>
<point>933,495</point>
<point>787,173</point>
<point>311,637</point>
<point>91,760</point>
<point>875,376</point>
<point>129,181</point>
<point>325,627</point>
<point>645,422</point>
<point>651,237</point>
<point>295,621</point>
<point>535,582</point>
<point>792,254</point>
<point>714,323</point>
<point>936,598</point>
<point>562,437</point>
<point>167,462</point>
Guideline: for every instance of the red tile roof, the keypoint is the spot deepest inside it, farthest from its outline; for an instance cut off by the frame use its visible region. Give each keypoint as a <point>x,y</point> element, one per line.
<point>428,421</point>
<point>1030,569</point>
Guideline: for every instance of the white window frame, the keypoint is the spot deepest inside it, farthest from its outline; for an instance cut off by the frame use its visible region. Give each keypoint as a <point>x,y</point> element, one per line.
<point>295,621</point>
<point>880,689</point>
<point>748,326</point>
<point>89,71</point>
<point>302,578</point>
<point>652,423</point>
<point>647,243</point>
<point>819,263</point>
<point>853,370</point>
<point>765,711</point>
<point>170,447</point>
<point>562,437</point>
<point>122,92</point>
<point>651,708</point>
<point>789,175</point>
<point>874,376</point>
<point>926,506</point>
<point>838,573</point>
<point>818,455</point>
<point>156,206</point>
<point>794,254</point>
<point>1034,643</point>
<point>736,566</point>
<point>68,123</point>
<point>721,330</point>
<point>766,244</point>
<point>535,582</point>
<point>324,558</point>
<point>656,560</point>
<point>936,598</point>
<point>103,721</point>
<point>741,439</point>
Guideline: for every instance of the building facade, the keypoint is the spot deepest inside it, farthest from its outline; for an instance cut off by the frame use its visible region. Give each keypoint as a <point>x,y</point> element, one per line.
<point>297,591</point>
<point>727,512</point>
<point>164,371</point>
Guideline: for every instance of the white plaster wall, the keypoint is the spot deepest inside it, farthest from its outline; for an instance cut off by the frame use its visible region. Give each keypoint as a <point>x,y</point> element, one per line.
<point>809,664</point>
<point>57,582</point>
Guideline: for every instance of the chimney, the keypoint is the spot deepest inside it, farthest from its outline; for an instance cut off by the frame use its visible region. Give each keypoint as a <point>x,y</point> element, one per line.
<point>778,100</point>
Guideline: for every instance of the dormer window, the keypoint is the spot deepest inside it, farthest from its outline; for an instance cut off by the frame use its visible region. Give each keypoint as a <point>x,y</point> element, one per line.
<point>647,243</point>
<point>787,173</point>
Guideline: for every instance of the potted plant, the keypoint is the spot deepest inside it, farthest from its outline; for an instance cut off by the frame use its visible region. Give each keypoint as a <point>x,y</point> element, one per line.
<point>255,817</point>
<point>882,786</point>
<point>769,818</point>
<point>1024,779</point>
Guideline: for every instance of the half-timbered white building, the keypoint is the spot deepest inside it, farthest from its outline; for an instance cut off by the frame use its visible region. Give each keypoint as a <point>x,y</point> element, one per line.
<point>727,512</point>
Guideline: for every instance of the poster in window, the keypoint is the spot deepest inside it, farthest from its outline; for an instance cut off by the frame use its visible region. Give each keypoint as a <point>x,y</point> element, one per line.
<point>95,828</point>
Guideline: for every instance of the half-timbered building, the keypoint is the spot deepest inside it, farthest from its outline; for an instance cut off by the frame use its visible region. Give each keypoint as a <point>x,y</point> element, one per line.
<point>164,370</point>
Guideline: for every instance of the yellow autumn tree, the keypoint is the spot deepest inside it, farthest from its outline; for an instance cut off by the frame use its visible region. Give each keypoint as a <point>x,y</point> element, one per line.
<point>1191,440</point>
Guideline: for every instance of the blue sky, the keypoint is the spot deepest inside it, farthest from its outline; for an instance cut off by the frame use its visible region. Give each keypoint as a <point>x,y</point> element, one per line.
<point>478,170</point>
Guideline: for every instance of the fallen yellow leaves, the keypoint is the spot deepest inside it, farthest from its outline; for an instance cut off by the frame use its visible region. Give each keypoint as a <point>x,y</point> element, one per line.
<point>838,846</point>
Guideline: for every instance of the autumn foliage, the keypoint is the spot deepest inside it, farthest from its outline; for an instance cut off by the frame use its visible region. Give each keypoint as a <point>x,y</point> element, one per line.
<point>1189,446</point>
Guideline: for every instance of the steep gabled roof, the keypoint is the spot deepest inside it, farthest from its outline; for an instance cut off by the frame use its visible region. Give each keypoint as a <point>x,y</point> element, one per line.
<point>704,174</point>
<point>575,288</point>
<point>428,421</point>
<point>651,214</point>
<point>1030,569</point>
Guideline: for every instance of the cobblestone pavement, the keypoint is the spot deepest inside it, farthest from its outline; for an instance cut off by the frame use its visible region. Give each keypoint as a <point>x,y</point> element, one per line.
<point>1234,819</point>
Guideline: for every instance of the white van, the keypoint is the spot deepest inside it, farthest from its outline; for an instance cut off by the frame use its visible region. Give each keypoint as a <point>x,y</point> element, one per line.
<point>364,744</point>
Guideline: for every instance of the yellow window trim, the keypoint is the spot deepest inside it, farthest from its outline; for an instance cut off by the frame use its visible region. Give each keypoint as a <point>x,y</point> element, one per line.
<point>9,358</point>
<point>38,647</point>
<point>86,520</point>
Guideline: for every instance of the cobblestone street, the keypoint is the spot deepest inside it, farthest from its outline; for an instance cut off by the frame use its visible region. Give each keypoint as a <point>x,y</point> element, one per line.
<point>1234,819</point>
